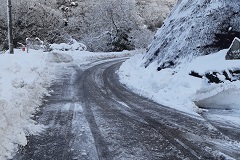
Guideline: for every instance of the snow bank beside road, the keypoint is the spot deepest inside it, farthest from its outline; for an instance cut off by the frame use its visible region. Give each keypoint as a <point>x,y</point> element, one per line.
<point>177,89</point>
<point>24,79</point>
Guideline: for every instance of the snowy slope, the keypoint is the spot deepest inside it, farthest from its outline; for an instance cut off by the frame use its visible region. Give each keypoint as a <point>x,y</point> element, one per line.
<point>194,28</point>
<point>176,88</point>
<point>217,103</point>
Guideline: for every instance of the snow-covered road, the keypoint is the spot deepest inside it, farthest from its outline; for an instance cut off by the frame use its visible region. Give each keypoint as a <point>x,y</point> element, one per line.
<point>91,115</point>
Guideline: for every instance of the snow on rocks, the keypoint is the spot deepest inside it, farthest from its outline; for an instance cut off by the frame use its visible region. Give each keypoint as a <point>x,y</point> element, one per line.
<point>175,87</point>
<point>194,28</point>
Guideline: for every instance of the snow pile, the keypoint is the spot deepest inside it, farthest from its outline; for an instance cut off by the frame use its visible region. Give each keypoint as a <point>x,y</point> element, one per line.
<point>175,87</point>
<point>71,46</point>
<point>24,79</point>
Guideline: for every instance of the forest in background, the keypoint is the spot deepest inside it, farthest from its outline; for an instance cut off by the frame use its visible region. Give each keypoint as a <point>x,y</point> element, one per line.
<point>102,25</point>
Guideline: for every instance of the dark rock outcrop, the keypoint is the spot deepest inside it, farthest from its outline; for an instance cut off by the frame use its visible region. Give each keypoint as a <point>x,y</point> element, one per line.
<point>214,77</point>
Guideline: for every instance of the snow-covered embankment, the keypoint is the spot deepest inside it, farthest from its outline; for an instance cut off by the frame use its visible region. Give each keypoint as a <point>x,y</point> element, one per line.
<point>176,88</point>
<point>24,79</point>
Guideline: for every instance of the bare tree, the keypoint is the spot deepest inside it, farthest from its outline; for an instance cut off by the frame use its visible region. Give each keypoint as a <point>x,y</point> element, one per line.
<point>104,25</point>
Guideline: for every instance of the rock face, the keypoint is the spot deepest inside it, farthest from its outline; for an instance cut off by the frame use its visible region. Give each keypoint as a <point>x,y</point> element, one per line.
<point>234,50</point>
<point>194,28</point>
<point>217,77</point>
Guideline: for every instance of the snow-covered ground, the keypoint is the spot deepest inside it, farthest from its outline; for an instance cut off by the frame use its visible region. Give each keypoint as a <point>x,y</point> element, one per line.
<point>177,89</point>
<point>24,81</point>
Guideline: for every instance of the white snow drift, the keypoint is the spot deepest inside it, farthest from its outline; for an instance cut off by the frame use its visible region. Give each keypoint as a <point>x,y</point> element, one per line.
<point>24,79</point>
<point>176,88</point>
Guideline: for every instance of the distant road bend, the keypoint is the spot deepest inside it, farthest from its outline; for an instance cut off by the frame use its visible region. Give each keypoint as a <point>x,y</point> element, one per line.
<point>92,116</point>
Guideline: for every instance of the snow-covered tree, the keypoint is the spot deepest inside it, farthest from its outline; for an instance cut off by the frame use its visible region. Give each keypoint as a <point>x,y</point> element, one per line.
<point>33,18</point>
<point>104,25</point>
<point>3,25</point>
<point>153,12</point>
<point>113,21</point>
<point>194,28</point>
<point>37,19</point>
<point>118,20</point>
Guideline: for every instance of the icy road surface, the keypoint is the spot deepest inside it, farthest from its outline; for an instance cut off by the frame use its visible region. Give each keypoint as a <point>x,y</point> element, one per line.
<point>91,116</point>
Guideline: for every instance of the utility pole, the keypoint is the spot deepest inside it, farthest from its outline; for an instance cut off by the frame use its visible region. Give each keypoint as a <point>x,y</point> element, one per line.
<point>10,33</point>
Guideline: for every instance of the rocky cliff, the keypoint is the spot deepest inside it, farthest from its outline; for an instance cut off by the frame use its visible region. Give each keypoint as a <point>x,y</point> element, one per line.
<point>194,28</point>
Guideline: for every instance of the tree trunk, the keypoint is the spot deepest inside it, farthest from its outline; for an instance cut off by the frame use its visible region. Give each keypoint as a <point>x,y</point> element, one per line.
<point>10,35</point>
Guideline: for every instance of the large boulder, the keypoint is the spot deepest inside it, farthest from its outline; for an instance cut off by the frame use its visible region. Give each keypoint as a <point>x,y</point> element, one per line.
<point>194,28</point>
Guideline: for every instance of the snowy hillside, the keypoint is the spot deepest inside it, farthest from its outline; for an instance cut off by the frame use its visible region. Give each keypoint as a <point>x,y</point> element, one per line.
<point>194,28</point>
<point>177,88</point>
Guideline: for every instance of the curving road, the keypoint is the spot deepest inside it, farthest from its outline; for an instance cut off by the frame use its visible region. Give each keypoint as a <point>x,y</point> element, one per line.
<point>92,116</point>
